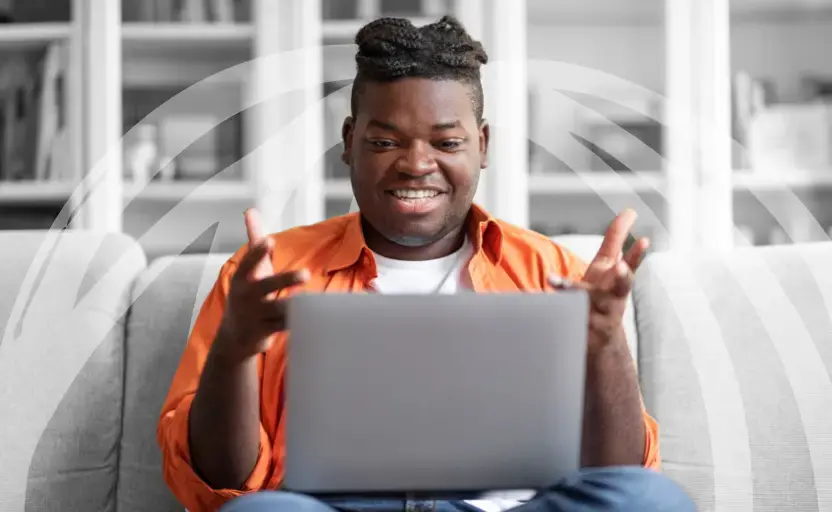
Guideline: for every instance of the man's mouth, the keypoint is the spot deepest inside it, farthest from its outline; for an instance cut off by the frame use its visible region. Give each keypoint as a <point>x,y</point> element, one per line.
<point>415,201</point>
<point>415,194</point>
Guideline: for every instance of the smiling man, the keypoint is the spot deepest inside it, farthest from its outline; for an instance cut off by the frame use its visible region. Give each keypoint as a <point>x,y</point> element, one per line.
<point>416,143</point>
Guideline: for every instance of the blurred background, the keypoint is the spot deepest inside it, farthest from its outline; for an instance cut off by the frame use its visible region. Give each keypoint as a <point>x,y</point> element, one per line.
<point>710,117</point>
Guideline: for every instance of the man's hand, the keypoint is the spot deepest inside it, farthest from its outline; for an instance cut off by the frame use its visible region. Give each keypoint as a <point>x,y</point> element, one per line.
<point>609,280</point>
<point>224,423</point>
<point>613,427</point>
<point>253,312</point>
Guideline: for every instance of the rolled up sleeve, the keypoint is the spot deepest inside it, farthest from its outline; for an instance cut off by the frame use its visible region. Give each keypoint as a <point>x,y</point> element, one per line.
<point>172,431</point>
<point>652,458</point>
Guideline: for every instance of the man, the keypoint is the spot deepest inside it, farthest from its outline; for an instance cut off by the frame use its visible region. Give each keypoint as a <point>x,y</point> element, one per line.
<point>415,143</point>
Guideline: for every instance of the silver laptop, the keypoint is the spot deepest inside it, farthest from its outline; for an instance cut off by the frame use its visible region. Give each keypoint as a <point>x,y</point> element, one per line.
<point>399,395</point>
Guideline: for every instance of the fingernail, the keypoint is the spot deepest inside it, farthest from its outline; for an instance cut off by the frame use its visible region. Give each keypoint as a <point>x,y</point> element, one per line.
<point>559,282</point>
<point>303,274</point>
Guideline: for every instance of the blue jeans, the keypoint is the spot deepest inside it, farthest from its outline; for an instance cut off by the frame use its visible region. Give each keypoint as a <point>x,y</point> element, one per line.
<point>619,489</point>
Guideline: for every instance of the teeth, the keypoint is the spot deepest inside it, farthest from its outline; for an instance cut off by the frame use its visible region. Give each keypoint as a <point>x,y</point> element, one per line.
<point>415,194</point>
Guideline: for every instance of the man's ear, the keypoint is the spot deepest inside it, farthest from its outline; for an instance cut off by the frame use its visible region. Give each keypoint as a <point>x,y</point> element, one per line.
<point>485,135</point>
<point>346,135</point>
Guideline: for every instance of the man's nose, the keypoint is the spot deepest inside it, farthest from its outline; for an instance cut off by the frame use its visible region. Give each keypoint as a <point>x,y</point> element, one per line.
<point>418,160</point>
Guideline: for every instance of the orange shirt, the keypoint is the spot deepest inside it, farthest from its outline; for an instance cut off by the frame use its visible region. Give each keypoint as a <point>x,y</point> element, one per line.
<point>506,258</point>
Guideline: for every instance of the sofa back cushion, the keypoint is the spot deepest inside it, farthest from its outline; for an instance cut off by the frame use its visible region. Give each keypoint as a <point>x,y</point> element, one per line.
<point>62,308</point>
<point>736,363</point>
<point>167,298</point>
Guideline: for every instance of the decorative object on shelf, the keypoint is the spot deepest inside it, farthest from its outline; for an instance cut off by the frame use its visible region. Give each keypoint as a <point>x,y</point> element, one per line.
<point>791,136</point>
<point>198,160</point>
<point>167,168</point>
<point>778,236</point>
<point>54,154</point>
<point>20,85</point>
<point>142,155</point>
<point>222,11</point>
<point>193,11</point>
<point>751,96</point>
<point>186,11</point>
<point>164,11</point>
<point>817,88</point>
<point>6,11</point>
<point>197,113</point>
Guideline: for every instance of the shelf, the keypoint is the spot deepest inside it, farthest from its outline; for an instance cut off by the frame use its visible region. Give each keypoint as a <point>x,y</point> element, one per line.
<point>193,34</point>
<point>344,31</point>
<point>28,35</point>
<point>652,12</point>
<point>190,191</point>
<point>596,182</point>
<point>186,43</point>
<point>35,193</point>
<point>786,181</point>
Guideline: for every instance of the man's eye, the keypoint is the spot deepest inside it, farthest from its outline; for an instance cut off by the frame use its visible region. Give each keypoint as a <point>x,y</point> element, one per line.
<point>383,144</point>
<point>451,144</point>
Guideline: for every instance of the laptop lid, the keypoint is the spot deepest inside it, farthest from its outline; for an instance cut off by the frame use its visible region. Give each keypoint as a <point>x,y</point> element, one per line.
<point>434,394</point>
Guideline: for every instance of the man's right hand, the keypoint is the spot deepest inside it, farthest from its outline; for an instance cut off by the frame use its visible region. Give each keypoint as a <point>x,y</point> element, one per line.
<point>253,312</point>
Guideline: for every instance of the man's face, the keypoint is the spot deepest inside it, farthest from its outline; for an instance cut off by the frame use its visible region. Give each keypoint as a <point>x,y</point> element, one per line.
<point>415,151</point>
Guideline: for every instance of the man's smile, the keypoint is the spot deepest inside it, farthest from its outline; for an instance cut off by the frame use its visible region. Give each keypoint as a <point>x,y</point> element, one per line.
<point>415,200</point>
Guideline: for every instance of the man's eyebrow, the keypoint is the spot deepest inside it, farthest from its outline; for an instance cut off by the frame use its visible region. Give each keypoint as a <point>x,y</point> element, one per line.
<point>381,124</point>
<point>446,126</point>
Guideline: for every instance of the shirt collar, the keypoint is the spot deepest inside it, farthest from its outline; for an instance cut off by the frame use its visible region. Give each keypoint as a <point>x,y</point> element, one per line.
<point>483,230</point>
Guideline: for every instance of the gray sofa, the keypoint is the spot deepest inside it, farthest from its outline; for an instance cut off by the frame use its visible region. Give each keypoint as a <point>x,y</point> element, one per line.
<point>734,354</point>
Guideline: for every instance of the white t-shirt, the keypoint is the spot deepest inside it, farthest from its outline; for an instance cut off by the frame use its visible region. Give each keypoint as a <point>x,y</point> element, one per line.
<point>442,275</point>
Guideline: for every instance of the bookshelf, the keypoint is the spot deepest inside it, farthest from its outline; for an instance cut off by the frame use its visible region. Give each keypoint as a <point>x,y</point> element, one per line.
<point>30,192</point>
<point>225,103</point>
<point>27,35</point>
<point>40,124</point>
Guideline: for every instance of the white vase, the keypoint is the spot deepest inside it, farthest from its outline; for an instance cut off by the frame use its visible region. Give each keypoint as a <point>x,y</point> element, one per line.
<point>142,155</point>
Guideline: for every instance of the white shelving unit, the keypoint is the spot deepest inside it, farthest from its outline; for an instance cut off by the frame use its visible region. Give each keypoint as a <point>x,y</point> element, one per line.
<point>14,37</point>
<point>26,195</point>
<point>650,42</point>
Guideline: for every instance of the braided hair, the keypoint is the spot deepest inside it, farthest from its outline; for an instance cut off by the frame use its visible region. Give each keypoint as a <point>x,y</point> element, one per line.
<point>393,48</point>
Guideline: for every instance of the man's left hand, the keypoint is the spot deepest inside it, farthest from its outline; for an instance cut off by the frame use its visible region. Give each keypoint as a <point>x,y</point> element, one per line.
<point>609,280</point>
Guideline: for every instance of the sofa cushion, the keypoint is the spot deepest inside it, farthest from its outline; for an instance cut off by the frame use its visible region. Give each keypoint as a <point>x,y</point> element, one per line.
<point>62,307</point>
<point>736,361</point>
<point>167,298</point>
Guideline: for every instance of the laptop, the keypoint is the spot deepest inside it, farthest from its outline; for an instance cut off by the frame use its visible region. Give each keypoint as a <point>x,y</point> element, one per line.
<point>406,396</point>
